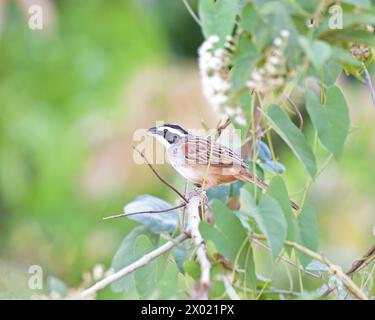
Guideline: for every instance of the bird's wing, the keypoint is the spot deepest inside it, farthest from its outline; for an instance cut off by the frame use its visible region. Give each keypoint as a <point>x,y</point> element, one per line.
<point>199,150</point>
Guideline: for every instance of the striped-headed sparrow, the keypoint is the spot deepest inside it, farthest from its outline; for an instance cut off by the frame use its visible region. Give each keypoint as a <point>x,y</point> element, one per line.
<point>201,161</point>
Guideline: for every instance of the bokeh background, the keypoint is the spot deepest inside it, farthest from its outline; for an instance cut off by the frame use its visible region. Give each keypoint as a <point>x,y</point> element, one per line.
<point>71,97</point>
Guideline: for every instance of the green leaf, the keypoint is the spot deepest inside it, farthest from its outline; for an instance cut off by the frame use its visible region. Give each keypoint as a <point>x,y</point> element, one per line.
<point>270,219</point>
<point>192,268</point>
<point>359,3</point>
<point>249,19</point>
<point>294,138</point>
<point>352,35</point>
<point>145,277</point>
<point>168,284</point>
<point>217,289</point>
<point>252,22</point>
<point>277,190</point>
<point>244,61</point>
<point>155,222</point>
<point>316,50</point>
<point>125,256</point>
<point>331,119</point>
<point>235,188</point>
<point>230,239</point>
<point>220,192</point>
<point>349,19</point>
<point>182,252</point>
<point>217,17</point>
<point>246,261</point>
<point>309,232</point>
<point>227,234</point>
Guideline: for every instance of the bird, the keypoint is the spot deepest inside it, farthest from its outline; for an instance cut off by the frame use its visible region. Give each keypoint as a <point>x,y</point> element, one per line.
<point>204,162</point>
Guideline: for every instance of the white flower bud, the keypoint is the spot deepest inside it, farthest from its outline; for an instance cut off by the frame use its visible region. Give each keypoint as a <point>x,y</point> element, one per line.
<point>256,76</point>
<point>229,111</point>
<point>240,120</point>
<point>285,33</point>
<point>278,42</point>
<point>270,68</point>
<point>98,272</point>
<point>214,39</point>
<point>214,63</point>
<point>250,84</point>
<point>274,60</point>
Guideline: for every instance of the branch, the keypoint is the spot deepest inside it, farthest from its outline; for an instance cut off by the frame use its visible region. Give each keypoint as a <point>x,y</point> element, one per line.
<point>201,292</point>
<point>270,291</point>
<point>357,265</point>
<point>221,127</point>
<point>132,267</point>
<point>159,176</point>
<point>349,284</point>
<point>142,212</point>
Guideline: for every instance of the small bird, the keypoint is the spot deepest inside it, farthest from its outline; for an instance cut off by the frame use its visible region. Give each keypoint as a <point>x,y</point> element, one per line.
<point>203,162</point>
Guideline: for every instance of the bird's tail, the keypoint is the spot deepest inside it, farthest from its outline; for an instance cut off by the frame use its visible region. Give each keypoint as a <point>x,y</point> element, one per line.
<point>249,177</point>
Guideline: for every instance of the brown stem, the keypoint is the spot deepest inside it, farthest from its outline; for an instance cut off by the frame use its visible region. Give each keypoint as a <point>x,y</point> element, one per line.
<point>159,176</point>
<point>142,212</point>
<point>296,110</point>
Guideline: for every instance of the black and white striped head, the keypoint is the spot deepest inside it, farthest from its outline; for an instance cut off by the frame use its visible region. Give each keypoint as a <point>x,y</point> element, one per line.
<point>168,134</point>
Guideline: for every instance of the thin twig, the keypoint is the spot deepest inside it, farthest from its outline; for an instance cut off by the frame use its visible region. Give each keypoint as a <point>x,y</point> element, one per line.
<point>221,127</point>
<point>159,176</point>
<point>357,265</point>
<point>349,284</point>
<point>296,110</point>
<point>143,212</point>
<point>131,268</point>
<point>191,11</point>
<point>287,260</point>
<point>270,291</point>
<point>201,291</point>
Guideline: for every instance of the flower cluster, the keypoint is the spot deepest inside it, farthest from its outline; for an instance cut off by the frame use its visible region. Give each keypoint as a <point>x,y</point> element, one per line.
<point>214,66</point>
<point>271,75</point>
<point>214,69</point>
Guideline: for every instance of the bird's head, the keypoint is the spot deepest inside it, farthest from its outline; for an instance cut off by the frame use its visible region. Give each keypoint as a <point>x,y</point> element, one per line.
<point>168,134</point>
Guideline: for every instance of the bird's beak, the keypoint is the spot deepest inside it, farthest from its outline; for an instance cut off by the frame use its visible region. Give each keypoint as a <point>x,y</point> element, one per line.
<point>152,131</point>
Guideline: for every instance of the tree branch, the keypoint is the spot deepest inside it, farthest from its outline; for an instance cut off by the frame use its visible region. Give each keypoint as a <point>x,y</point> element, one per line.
<point>142,212</point>
<point>357,265</point>
<point>132,267</point>
<point>201,292</point>
<point>349,284</point>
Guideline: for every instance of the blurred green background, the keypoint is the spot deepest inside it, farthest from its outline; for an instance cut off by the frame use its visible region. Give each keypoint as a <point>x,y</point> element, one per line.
<point>71,97</point>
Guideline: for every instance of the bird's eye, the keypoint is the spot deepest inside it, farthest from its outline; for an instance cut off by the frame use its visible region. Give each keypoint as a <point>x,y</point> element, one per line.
<point>165,132</point>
